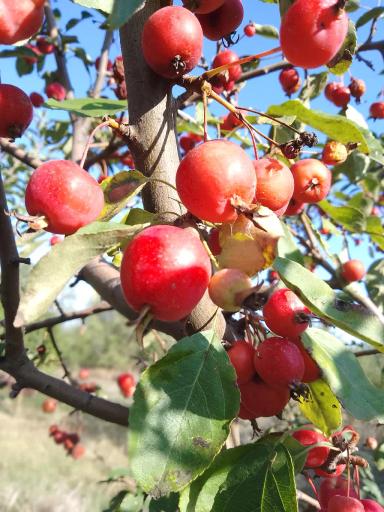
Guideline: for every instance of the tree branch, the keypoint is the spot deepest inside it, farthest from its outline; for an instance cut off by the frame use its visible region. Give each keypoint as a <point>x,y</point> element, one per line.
<point>19,153</point>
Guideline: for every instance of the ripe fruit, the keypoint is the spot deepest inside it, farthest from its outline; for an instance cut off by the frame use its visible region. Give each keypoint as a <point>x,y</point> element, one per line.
<point>189,141</point>
<point>44,45</point>
<point>285,314</point>
<point>376,110</point>
<point>214,241</point>
<point>290,80</point>
<point>109,64</point>
<point>330,487</point>
<point>83,373</point>
<point>311,372</point>
<point>49,405</point>
<point>257,400</point>
<point>172,41</point>
<point>228,288</point>
<point>56,91</point>
<point>330,89</point>
<point>357,88</point>
<point>16,111</point>
<point>127,159</point>
<point>372,506</point>
<point>344,504</point>
<point>312,32</point>
<point>318,455</point>
<point>202,6</point>
<point>231,74</point>
<point>36,99</point>
<point>312,180</point>
<point>294,207</point>
<point>229,122</point>
<point>32,59</point>
<point>223,21</point>
<point>213,174</point>
<point>339,470</point>
<point>353,270</point>
<point>166,268</point>
<point>78,451</point>
<point>275,183</point>
<point>55,239</point>
<point>341,96</point>
<point>241,356</point>
<point>278,362</point>
<point>66,195</point>
<point>127,383</point>
<point>334,153</point>
<point>20,20</point>
<point>250,30</point>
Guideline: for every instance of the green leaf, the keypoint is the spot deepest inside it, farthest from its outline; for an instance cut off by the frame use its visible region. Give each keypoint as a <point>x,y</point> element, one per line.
<point>345,376</point>
<point>336,127</point>
<point>375,283</point>
<point>249,478</point>
<point>355,167</point>
<point>372,14</point>
<point>122,11</point>
<point>322,407</point>
<point>102,5</point>
<point>267,31</point>
<point>342,61</point>
<point>138,216</point>
<point>287,248</point>
<point>88,107</point>
<point>49,276</point>
<point>314,86</point>
<point>183,407</point>
<point>347,216</point>
<point>324,302</point>
<point>118,190</point>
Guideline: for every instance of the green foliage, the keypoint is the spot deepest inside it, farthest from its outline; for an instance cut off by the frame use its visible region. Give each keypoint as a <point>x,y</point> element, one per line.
<point>118,190</point>
<point>88,107</point>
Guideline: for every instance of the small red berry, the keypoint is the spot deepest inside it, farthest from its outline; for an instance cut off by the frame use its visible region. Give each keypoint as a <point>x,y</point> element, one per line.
<point>241,355</point>
<point>353,270</point>
<point>258,399</point>
<point>223,21</point>
<point>56,91</point>
<point>312,180</point>
<point>36,99</point>
<point>376,110</point>
<point>318,455</point>
<point>16,111</point>
<point>250,30</point>
<point>126,383</point>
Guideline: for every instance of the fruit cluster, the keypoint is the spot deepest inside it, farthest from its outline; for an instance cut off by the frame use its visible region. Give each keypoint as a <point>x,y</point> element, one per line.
<point>127,384</point>
<point>69,440</point>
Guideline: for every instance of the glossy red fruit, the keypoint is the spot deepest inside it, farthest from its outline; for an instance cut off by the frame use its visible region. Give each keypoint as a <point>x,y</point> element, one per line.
<point>330,90</point>
<point>166,268</point>
<point>44,45</point>
<point>353,270</point>
<point>275,183</point>
<point>189,141</point>
<point>258,399</point>
<point>376,110</point>
<point>230,122</point>
<point>312,32</point>
<point>285,314</point>
<point>294,207</point>
<point>241,356</point>
<point>126,383</point>
<point>341,96</point>
<point>202,6</point>
<point>311,372</point>
<point>318,455</point>
<point>312,180</point>
<point>290,80</point>
<point>223,21</point>
<point>250,30</point>
<point>66,195</point>
<point>172,41</point>
<point>278,362</point>
<point>231,74</point>
<point>36,99</point>
<point>339,470</point>
<point>16,111</point>
<point>357,88</point>
<point>49,405</point>
<point>330,487</point>
<point>20,20</point>
<point>228,288</point>
<point>344,504</point>
<point>334,153</point>
<point>213,174</point>
<point>56,91</point>
<point>372,506</point>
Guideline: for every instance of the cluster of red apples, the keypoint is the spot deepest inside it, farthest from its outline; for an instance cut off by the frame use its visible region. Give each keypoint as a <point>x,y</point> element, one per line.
<point>70,441</point>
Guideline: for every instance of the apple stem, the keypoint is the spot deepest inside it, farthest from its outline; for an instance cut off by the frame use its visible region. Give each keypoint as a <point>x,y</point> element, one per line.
<point>89,141</point>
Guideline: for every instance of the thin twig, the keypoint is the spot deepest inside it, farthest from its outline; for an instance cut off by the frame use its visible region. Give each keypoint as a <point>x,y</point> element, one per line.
<point>56,347</point>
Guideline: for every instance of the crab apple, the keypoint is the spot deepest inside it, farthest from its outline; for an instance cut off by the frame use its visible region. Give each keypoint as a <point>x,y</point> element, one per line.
<point>285,314</point>
<point>84,373</point>
<point>281,211</point>
<point>258,399</point>
<point>357,88</point>
<point>118,69</point>
<point>49,405</point>
<point>59,436</point>
<point>44,45</point>
<point>376,110</point>
<point>36,54</point>
<point>230,122</point>
<point>294,207</point>
<point>371,506</point>
<point>241,355</point>
<point>312,32</point>
<point>341,96</point>
<point>56,91</point>
<point>353,270</point>
<point>333,474</point>
<point>330,90</point>
<point>223,21</point>
<point>20,20</point>
<point>334,153</point>
<point>109,66</point>
<point>344,504</point>
<point>55,239</point>
<point>371,443</point>
<point>250,30</point>
<point>330,487</point>
<point>290,80</point>
<point>127,159</point>
<point>172,41</point>
<point>78,451</point>
<point>312,180</point>
<point>66,195</point>
<point>213,174</point>
<point>126,383</point>
<point>189,141</point>
<point>312,371</point>
<point>166,268</point>
<point>228,288</point>
<point>318,455</point>
<point>202,6</point>
<point>279,362</point>
<point>275,184</point>
<point>36,99</point>
<point>231,74</point>
<point>213,241</point>
<point>16,111</point>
